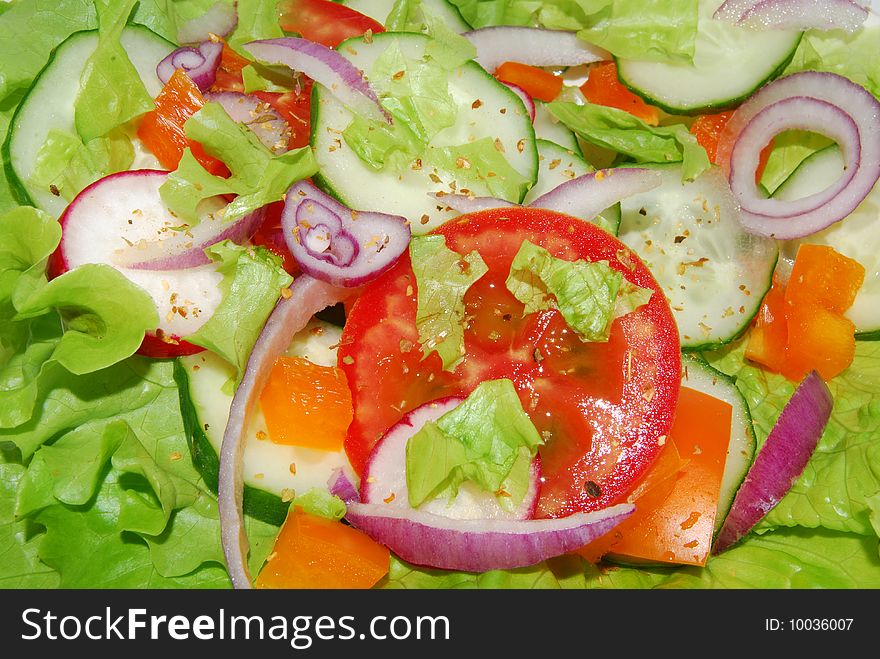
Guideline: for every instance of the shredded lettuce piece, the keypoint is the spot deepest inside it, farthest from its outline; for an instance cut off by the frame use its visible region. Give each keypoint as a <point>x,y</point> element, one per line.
<point>252,282</point>
<point>448,48</point>
<point>68,164</point>
<point>442,279</point>
<point>487,439</point>
<point>588,295</point>
<point>257,19</point>
<point>321,503</point>
<point>620,131</point>
<point>111,91</point>
<point>258,176</point>
<point>481,163</point>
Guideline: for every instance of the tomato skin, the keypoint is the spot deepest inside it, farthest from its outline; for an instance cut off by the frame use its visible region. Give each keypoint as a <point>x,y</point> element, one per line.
<point>612,403</point>
<point>328,23</point>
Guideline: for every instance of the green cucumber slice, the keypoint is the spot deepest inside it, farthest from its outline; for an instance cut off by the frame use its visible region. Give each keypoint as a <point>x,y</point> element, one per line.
<point>729,63</point>
<point>556,165</point>
<point>856,236</point>
<point>697,374</point>
<point>713,272</point>
<point>268,475</point>
<point>378,10</point>
<point>49,104</point>
<point>488,109</point>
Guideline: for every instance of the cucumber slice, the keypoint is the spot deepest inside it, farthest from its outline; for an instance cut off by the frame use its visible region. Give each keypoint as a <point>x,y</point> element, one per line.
<point>487,109</point>
<point>713,273</point>
<point>729,64</point>
<point>556,165</point>
<point>268,467</point>
<point>548,127</point>
<point>855,237</point>
<point>49,104</point>
<point>697,374</point>
<point>378,10</point>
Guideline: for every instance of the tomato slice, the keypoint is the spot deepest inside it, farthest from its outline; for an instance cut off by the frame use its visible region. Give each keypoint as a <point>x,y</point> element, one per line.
<point>604,409</point>
<point>325,22</point>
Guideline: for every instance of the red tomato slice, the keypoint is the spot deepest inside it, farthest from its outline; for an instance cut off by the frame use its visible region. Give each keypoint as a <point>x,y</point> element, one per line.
<point>604,409</point>
<point>326,22</point>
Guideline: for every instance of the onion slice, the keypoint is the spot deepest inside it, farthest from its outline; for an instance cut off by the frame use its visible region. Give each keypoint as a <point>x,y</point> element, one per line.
<point>341,485</point>
<point>200,63</point>
<point>588,195</point>
<point>780,461</point>
<point>463,203</point>
<point>326,67</point>
<point>219,20</point>
<point>529,45</point>
<point>478,545</point>
<point>264,121</point>
<point>338,245</point>
<point>803,101</point>
<point>307,297</point>
<point>793,14</point>
<point>527,100</point>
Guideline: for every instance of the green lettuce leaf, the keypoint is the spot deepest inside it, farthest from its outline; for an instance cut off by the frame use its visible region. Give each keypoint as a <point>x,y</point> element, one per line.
<point>70,165</point>
<point>257,19</point>
<point>252,283</point>
<point>258,176</point>
<point>320,502</point>
<point>836,489</point>
<point>790,149</point>
<point>442,279</point>
<point>166,17</point>
<point>588,295</point>
<point>481,165</point>
<point>111,91</point>
<point>487,439</point>
<point>448,47</point>
<point>623,133</point>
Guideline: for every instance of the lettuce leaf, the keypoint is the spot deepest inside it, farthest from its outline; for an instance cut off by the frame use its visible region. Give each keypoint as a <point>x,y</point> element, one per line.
<point>258,176</point>
<point>588,295</point>
<point>623,133</point>
<point>442,279</point>
<point>487,439</point>
<point>481,164</point>
<point>257,19</point>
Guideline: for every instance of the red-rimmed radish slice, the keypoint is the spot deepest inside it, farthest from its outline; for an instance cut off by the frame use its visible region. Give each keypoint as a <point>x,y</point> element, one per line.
<point>478,545</point>
<point>199,63</point>
<point>781,460</point>
<point>307,297</point>
<point>220,20</point>
<point>117,213</point>
<point>384,479</point>
<point>528,45</point>
<point>757,120</point>
<point>588,195</point>
<point>336,244</point>
<point>326,67</point>
<point>793,14</point>
<point>263,120</point>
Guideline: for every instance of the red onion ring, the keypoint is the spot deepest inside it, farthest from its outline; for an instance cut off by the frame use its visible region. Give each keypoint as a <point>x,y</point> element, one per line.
<point>340,485</point>
<point>326,67</point>
<point>307,297</point>
<point>464,204</point>
<point>781,460</point>
<point>264,121</point>
<point>478,545</point>
<point>793,14</point>
<point>528,45</point>
<point>219,20</point>
<point>200,64</point>
<point>739,145</point>
<point>333,243</point>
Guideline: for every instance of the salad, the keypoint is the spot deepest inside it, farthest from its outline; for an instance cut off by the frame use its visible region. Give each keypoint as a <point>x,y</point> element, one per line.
<point>439,294</point>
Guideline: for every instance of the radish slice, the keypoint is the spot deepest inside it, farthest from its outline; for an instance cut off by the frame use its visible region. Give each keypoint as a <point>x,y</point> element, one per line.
<point>200,64</point>
<point>803,94</point>
<point>326,67</point>
<point>122,211</point>
<point>793,14</point>
<point>524,97</point>
<point>528,45</point>
<point>338,245</point>
<point>308,296</point>
<point>780,461</point>
<point>478,545</point>
<point>219,20</point>
<point>263,120</point>
<point>588,195</point>
<point>384,478</point>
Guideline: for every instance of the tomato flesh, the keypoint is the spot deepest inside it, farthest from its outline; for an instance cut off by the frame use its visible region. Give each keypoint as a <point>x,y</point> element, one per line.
<point>326,22</point>
<point>603,408</point>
